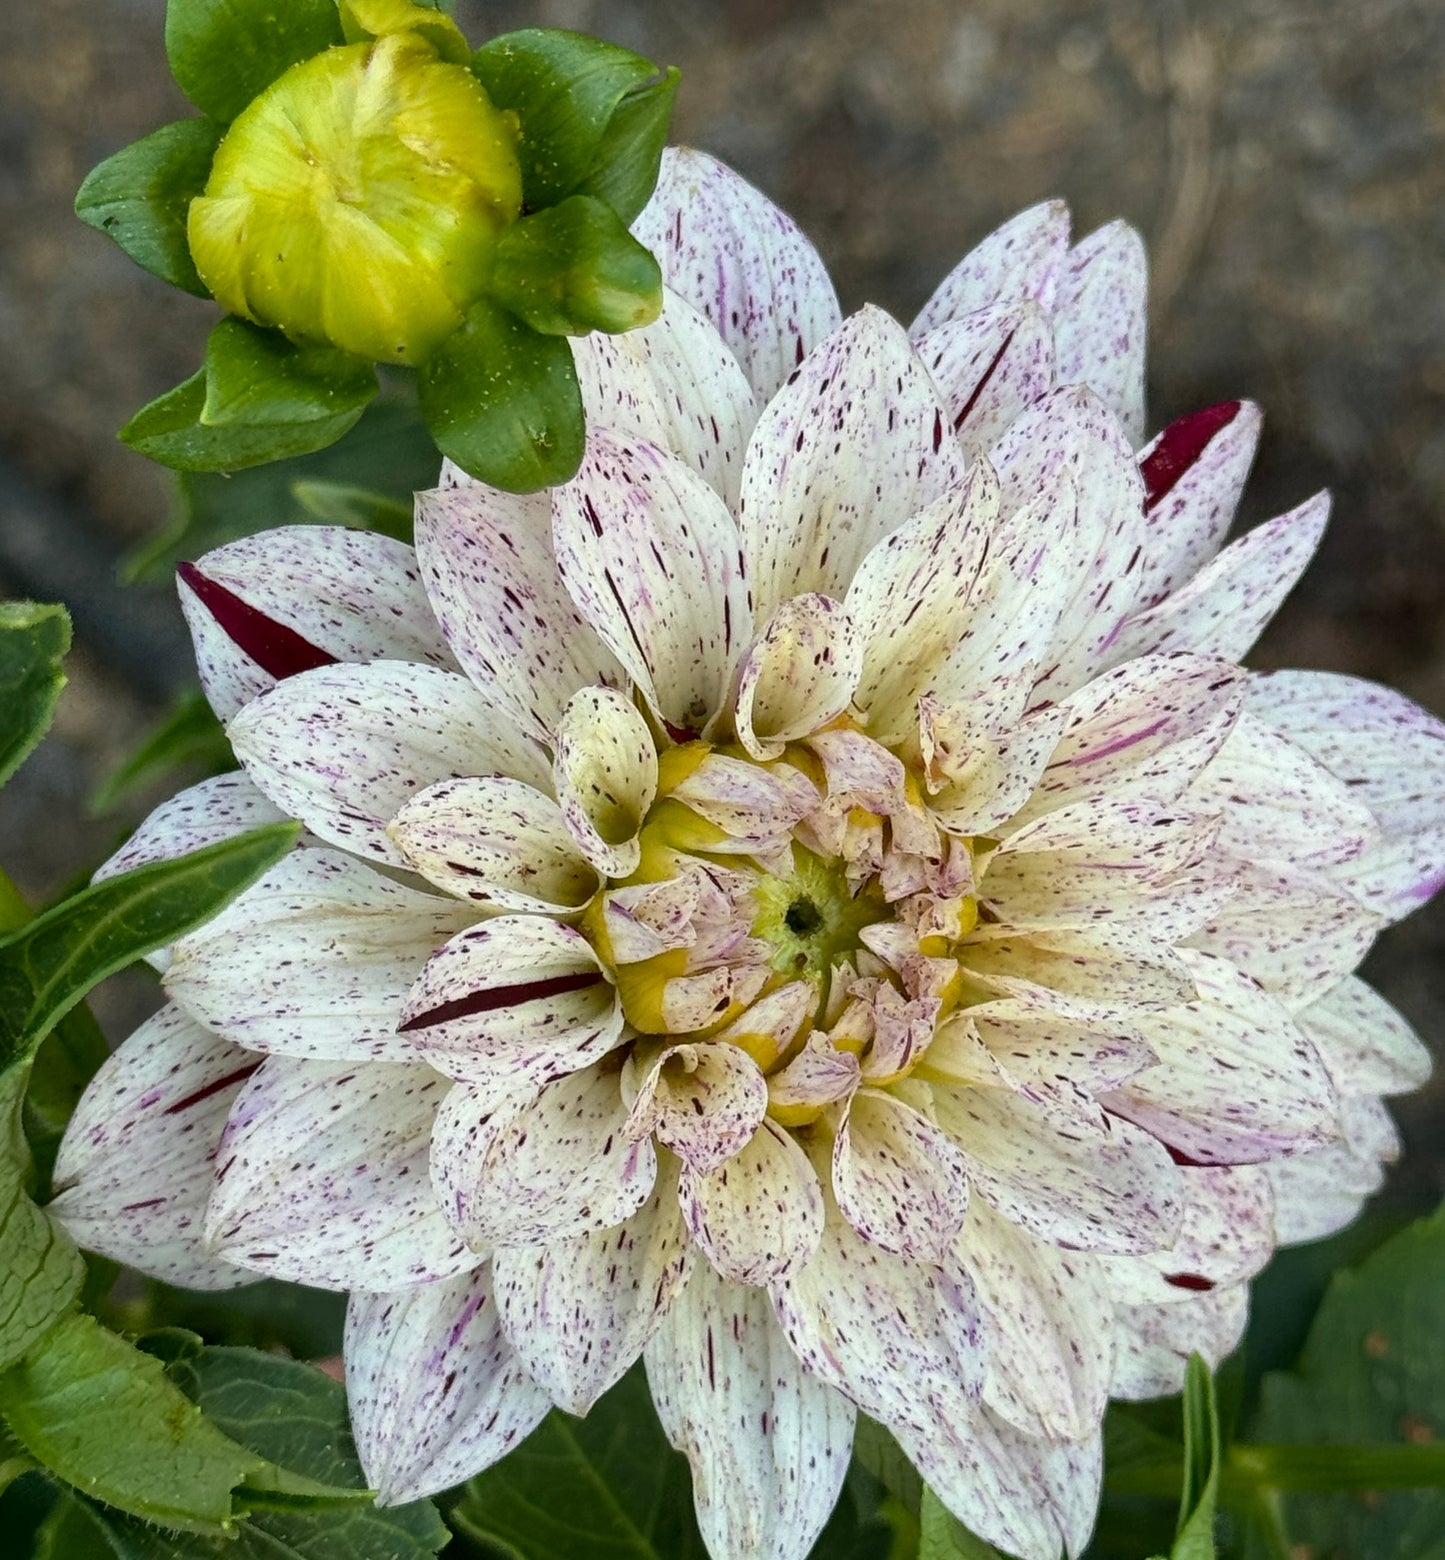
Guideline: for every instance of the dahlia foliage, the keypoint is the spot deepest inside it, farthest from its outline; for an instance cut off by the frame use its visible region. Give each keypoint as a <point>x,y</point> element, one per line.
<point>815,903</point>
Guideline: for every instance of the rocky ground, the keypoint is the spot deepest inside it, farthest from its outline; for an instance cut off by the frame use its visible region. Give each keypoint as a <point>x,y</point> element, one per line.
<point>1284,158</point>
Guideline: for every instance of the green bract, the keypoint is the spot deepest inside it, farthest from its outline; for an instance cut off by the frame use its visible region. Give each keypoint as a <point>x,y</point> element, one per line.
<point>363,188</point>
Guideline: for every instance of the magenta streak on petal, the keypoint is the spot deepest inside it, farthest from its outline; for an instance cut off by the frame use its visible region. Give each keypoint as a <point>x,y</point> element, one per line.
<point>1092,755</point>
<point>1190,1281</point>
<point>978,389</point>
<point>1179,446</point>
<point>499,997</point>
<point>276,649</point>
<point>214,1087</point>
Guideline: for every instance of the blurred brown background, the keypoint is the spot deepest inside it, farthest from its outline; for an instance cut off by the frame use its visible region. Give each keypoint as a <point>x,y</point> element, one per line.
<point>1284,159</point>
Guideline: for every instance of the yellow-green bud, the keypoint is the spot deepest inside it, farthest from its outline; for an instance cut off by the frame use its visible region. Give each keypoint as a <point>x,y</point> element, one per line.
<point>358,199</point>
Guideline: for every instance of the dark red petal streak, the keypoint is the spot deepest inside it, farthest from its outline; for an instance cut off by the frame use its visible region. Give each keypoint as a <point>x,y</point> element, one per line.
<point>1179,446</point>
<point>214,1087</point>
<point>500,997</point>
<point>276,649</point>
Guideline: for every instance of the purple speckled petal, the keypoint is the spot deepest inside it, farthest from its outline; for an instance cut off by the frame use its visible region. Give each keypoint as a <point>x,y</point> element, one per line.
<point>1391,754</point>
<point>321,1177</point>
<point>486,558</point>
<point>856,443</point>
<point>1020,260</point>
<point>759,1215</point>
<point>344,747</point>
<point>1321,1191</point>
<point>1101,323</point>
<point>676,384</point>
<point>301,596</point>
<point>652,558</point>
<point>314,960</point>
<point>1049,1324</point>
<point>800,675</point>
<point>1101,965</point>
<point>203,814</point>
<point>1111,1190</point>
<point>435,1390</point>
<point>512,1003</point>
<point>744,264</point>
<point>1194,473</point>
<point>990,366</point>
<point>1224,608</point>
<point>1155,1341</point>
<point>134,1168</point>
<point>543,1169</point>
<point>768,1442</point>
<point>605,771</point>
<point>1237,1081</point>
<point>579,1312</point>
<point>496,841</point>
<point>899,1180</point>
<point>1366,1046</point>
<point>704,1100</point>
<point>751,803</point>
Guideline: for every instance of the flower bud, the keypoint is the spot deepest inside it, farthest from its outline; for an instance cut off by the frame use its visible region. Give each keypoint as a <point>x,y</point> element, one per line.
<point>358,199</point>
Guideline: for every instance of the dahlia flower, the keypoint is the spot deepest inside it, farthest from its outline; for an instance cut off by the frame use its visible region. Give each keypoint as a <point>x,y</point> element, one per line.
<point>815,903</point>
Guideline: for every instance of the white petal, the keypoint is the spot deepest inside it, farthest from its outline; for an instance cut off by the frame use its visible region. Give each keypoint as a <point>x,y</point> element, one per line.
<point>321,1177</point>
<point>298,597</point>
<point>495,841</point>
<point>1155,1341</point>
<point>855,444</point>
<point>800,675</point>
<point>134,1168</point>
<point>204,814</point>
<point>1319,1192</point>
<point>651,556</point>
<point>1022,259</point>
<point>510,1004</point>
<point>759,1215</point>
<point>487,560</point>
<point>1127,968</point>
<point>733,255</point>
<point>580,1311</point>
<point>1194,472</point>
<point>676,384</point>
<point>1237,1082</point>
<point>1111,1190</point>
<point>315,960</point>
<point>1224,608</point>
<point>1049,1326</point>
<point>900,1181</point>
<point>769,1443</point>
<point>990,366</point>
<point>435,1391</point>
<point>605,771</point>
<point>704,1100</point>
<point>1101,321</point>
<point>1367,1047</point>
<point>540,1170</point>
<point>344,747</point>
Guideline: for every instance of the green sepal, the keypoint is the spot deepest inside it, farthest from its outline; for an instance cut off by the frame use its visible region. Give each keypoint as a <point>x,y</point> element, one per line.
<point>342,503</point>
<point>187,734</point>
<point>140,196</point>
<point>573,268</point>
<point>223,53</point>
<point>50,964</point>
<point>503,402</point>
<point>258,398</point>
<point>943,1537</point>
<point>33,641</point>
<point>593,116</point>
<point>364,19</point>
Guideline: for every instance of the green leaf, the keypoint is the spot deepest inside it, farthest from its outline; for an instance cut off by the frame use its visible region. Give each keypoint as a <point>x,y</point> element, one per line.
<point>67,1060</point>
<point>589,115</point>
<point>389,452</point>
<point>223,53</point>
<point>627,1493</point>
<point>341,503</point>
<point>1199,1498</point>
<point>503,402</point>
<point>187,734</point>
<point>101,1415</point>
<point>140,196</point>
<point>170,430</point>
<point>943,1537</point>
<point>268,1315</point>
<point>50,964</point>
<point>40,1270</point>
<point>33,642</point>
<point>256,378</point>
<point>875,1449</point>
<point>574,268</point>
<point>1373,1371</point>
